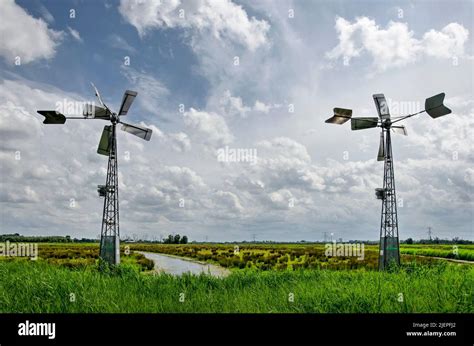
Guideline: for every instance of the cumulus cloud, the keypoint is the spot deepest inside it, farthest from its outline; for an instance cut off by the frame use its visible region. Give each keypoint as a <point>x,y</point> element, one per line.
<point>396,45</point>
<point>209,127</point>
<point>229,200</point>
<point>25,36</point>
<point>180,141</point>
<point>234,106</point>
<point>221,19</point>
<point>447,43</point>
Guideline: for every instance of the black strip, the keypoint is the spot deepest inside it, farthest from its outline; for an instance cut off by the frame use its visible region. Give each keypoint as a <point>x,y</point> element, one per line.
<point>291,329</point>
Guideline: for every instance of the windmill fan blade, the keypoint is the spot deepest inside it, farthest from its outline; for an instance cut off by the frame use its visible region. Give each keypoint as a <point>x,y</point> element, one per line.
<point>98,95</point>
<point>340,116</point>
<point>139,131</point>
<point>382,106</point>
<point>381,154</point>
<point>96,112</point>
<point>363,123</point>
<point>105,140</point>
<point>434,106</point>
<point>127,100</point>
<point>52,117</point>
<point>400,129</point>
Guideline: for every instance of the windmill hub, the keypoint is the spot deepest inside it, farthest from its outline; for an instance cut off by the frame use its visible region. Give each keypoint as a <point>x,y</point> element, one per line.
<point>110,233</point>
<point>389,242</point>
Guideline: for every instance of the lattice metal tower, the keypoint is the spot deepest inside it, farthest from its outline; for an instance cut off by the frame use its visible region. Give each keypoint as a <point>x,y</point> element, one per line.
<point>110,232</point>
<point>389,241</point>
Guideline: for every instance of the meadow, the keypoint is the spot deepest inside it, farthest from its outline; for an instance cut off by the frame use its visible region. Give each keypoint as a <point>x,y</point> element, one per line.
<point>41,287</point>
<point>300,256</point>
<point>66,278</point>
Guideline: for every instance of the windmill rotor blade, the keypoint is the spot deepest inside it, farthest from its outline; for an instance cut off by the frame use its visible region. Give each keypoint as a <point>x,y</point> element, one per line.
<point>400,129</point>
<point>105,141</point>
<point>382,106</point>
<point>434,106</point>
<point>363,123</point>
<point>52,117</point>
<point>127,100</point>
<point>381,153</point>
<point>99,97</point>
<point>341,115</point>
<point>139,131</point>
<point>96,112</point>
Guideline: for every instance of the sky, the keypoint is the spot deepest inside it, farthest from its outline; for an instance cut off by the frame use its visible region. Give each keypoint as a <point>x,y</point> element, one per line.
<point>217,76</point>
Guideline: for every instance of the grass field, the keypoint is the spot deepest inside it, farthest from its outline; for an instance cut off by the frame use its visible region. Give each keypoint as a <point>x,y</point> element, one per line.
<point>61,282</point>
<point>42,287</point>
<point>296,256</point>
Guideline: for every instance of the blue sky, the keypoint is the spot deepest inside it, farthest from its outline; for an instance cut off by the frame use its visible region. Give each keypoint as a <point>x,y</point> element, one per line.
<point>296,61</point>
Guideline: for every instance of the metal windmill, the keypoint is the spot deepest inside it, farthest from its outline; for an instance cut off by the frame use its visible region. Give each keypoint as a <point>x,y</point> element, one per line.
<point>110,233</point>
<point>389,241</point>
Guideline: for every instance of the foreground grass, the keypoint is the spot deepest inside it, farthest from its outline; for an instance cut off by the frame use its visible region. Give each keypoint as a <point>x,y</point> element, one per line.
<point>28,286</point>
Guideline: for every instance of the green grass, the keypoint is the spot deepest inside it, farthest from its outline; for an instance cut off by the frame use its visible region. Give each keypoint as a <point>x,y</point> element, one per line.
<point>28,286</point>
<point>461,252</point>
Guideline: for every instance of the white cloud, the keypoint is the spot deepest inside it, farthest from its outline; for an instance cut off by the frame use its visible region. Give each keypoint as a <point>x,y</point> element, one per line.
<point>396,45</point>
<point>75,34</point>
<point>230,200</point>
<point>210,127</point>
<point>222,19</point>
<point>152,92</point>
<point>447,43</point>
<point>47,16</point>
<point>180,141</point>
<point>25,36</point>
<point>234,106</point>
<point>284,148</point>
<point>118,42</point>
<point>469,176</point>
<point>261,107</point>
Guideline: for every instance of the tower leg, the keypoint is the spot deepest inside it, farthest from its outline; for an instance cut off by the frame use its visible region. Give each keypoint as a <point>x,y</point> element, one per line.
<point>389,243</point>
<point>110,233</point>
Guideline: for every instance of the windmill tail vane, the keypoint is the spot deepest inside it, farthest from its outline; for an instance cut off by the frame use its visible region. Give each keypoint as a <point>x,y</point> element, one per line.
<point>389,244</point>
<point>110,231</point>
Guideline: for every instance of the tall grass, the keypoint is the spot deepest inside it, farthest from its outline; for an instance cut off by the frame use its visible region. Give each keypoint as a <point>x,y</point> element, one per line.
<point>27,286</point>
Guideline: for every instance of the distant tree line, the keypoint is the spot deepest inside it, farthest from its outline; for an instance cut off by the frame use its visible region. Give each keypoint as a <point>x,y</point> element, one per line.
<point>436,240</point>
<point>16,237</point>
<point>175,239</point>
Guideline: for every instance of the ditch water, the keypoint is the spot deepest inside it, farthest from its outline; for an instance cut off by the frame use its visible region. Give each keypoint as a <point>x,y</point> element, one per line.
<point>178,265</point>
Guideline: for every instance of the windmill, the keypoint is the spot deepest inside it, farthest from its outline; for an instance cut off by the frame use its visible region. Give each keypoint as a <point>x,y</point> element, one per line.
<point>389,241</point>
<point>110,232</point>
